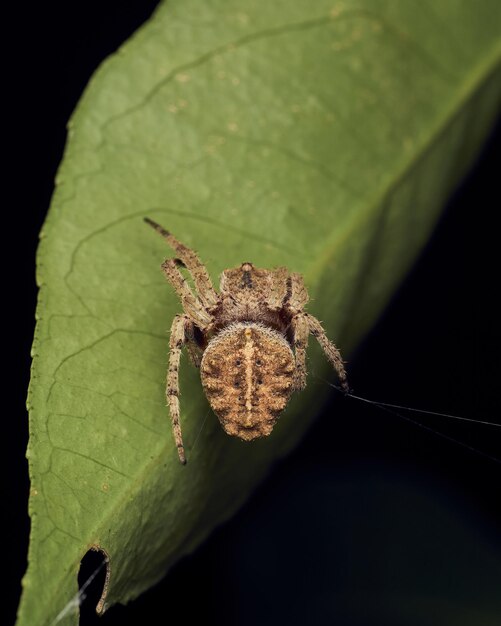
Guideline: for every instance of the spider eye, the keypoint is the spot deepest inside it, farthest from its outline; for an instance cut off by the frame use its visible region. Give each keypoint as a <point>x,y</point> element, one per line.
<point>238,362</point>
<point>259,362</point>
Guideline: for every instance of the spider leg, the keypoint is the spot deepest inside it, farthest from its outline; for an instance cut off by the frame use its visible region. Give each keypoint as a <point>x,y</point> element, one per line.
<point>201,278</point>
<point>191,304</point>
<point>300,334</point>
<point>181,327</point>
<point>331,352</point>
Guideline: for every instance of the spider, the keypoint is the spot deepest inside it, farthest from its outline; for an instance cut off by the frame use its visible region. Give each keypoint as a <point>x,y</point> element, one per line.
<point>249,341</point>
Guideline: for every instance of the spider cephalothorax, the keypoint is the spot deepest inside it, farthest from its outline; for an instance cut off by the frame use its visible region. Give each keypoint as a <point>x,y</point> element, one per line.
<point>249,340</point>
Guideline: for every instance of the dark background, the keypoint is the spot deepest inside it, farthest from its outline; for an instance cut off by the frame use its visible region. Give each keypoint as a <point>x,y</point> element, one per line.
<point>372,519</point>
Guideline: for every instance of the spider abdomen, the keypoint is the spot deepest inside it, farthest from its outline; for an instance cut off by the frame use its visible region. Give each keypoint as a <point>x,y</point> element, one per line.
<point>247,373</point>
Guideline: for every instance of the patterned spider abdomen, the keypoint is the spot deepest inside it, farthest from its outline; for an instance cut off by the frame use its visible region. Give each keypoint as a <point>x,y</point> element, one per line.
<point>247,373</point>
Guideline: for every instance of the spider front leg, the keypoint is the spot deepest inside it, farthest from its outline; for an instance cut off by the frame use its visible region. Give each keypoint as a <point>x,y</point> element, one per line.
<point>206,293</point>
<point>331,352</point>
<point>191,304</point>
<point>180,331</point>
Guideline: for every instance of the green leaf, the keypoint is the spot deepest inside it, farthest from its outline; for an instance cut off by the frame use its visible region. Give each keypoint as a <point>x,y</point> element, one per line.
<point>323,136</point>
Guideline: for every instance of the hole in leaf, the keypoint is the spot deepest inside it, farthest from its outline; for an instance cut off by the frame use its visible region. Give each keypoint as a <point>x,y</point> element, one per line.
<point>93,577</point>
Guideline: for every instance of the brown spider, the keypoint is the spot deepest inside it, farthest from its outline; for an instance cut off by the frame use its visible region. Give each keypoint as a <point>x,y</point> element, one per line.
<point>242,339</point>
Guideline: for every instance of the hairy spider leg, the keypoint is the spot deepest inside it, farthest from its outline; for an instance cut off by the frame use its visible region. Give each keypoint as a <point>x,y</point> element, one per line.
<point>296,299</point>
<point>191,304</point>
<point>331,352</point>
<point>181,326</point>
<point>201,278</point>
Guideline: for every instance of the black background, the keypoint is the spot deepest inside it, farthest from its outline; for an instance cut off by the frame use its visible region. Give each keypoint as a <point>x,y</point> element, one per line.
<point>437,347</point>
